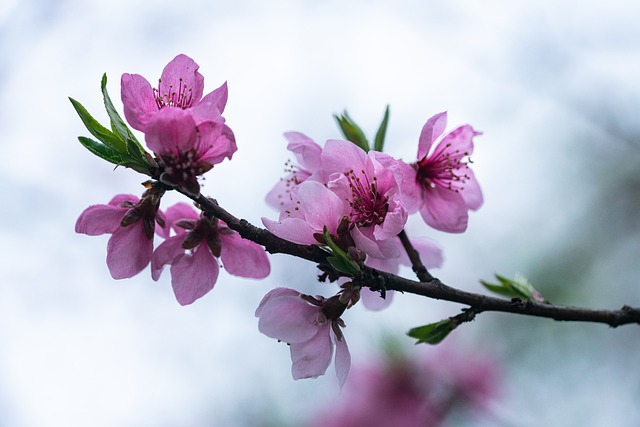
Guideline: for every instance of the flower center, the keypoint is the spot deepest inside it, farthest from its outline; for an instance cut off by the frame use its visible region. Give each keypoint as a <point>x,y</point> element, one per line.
<point>181,170</point>
<point>179,97</point>
<point>446,169</point>
<point>368,206</point>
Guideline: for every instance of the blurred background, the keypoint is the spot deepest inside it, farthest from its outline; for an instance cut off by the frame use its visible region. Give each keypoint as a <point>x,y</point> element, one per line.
<point>553,86</point>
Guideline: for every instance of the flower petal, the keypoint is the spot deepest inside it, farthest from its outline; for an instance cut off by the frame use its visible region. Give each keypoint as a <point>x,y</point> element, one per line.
<point>165,253</point>
<point>100,219</point>
<point>312,357</point>
<point>373,301</point>
<point>193,275</point>
<point>342,360</point>
<point>364,240</point>
<point>307,151</point>
<point>430,132</point>
<point>342,156</point>
<point>275,293</point>
<point>172,131</point>
<point>177,212</point>
<point>472,194</point>
<point>181,75</point>
<point>320,206</point>
<point>295,230</point>
<point>138,100</point>
<point>128,251</point>
<point>217,98</point>
<point>243,258</point>
<point>445,210</point>
<point>288,318</point>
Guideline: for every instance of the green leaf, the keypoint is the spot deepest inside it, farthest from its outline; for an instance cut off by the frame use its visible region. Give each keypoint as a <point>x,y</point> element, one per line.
<point>117,123</point>
<point>433,333</point>
<point>378,144</point>
<point>519,287</point>
<point>339,259</point>
<point>96,129</point>
<point>352,131</point>
<point>101,150</point>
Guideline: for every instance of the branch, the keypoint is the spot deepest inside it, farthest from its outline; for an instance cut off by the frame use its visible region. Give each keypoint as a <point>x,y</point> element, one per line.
<point>429,286</point>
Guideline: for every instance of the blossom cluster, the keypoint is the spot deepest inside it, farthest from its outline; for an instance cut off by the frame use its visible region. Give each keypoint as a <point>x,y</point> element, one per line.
<point>188,136</point>
<point>363,200</point>
<point>351,200</point>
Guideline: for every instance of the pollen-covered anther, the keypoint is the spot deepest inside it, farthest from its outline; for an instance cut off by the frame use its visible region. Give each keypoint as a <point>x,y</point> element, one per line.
<point>180,98</point>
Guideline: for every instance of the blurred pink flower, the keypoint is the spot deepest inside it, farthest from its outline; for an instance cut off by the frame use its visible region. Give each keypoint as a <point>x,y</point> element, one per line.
<point>444,186</point>
<point>413,389</point>
<point>311,327</point>
<point>131,223</point>
<point>194,250</point>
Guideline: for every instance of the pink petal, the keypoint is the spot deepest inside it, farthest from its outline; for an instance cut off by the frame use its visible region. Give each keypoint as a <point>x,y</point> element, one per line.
<point>193,275</point>
<point>128,251</point>
<point>216,144</point>
<point>457,143</point>
<point>280,198</point>
<point>118,199</point>
<point>430,253</point>
<point>275,293</point>
<point>445,210</point>
<point>312,358</point>
<point>471,193</point>
<point>306,150</point>
<point>165,254</point>
<point>177,212</point>
<point>342,156</point>
<point>288,318</point>
<point>217,98</point>
<point>320,206</point>
<point>243,258</point>
<point>430,132</point>
<point>295,230</point>
<point>171,131</point>
<point>180,72</point>
<point>342,360</point>
<point>364,240</point>
<point>405,176</point>
<point>100,219</point>
<point>138,100</point>
<point>393,224</point>
<point>373,301</point>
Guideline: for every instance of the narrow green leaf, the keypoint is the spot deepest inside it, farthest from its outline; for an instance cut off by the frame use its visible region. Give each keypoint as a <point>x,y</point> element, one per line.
<point>96,129</point>
<point>352,131</point>
<point>378,144</point>
<point>101,150</point>
<point>339,259</point>
<point>117,123</point>
<point>433,333</point>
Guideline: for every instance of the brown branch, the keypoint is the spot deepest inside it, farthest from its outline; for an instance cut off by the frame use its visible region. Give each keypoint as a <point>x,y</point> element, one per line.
<point>429,286</point>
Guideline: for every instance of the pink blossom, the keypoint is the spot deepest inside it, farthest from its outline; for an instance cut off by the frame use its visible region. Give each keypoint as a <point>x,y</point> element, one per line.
<point>369,190</point>
<point>430,255</point>
<point>316,207</point>
<point>131,223</point>
<point>309,165</point>
<point>355,186</point>
<point>194,250</point>
<point>311,327</point>
<point>444,186</point>
<point>185,130</point>
<point>180,87</point>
